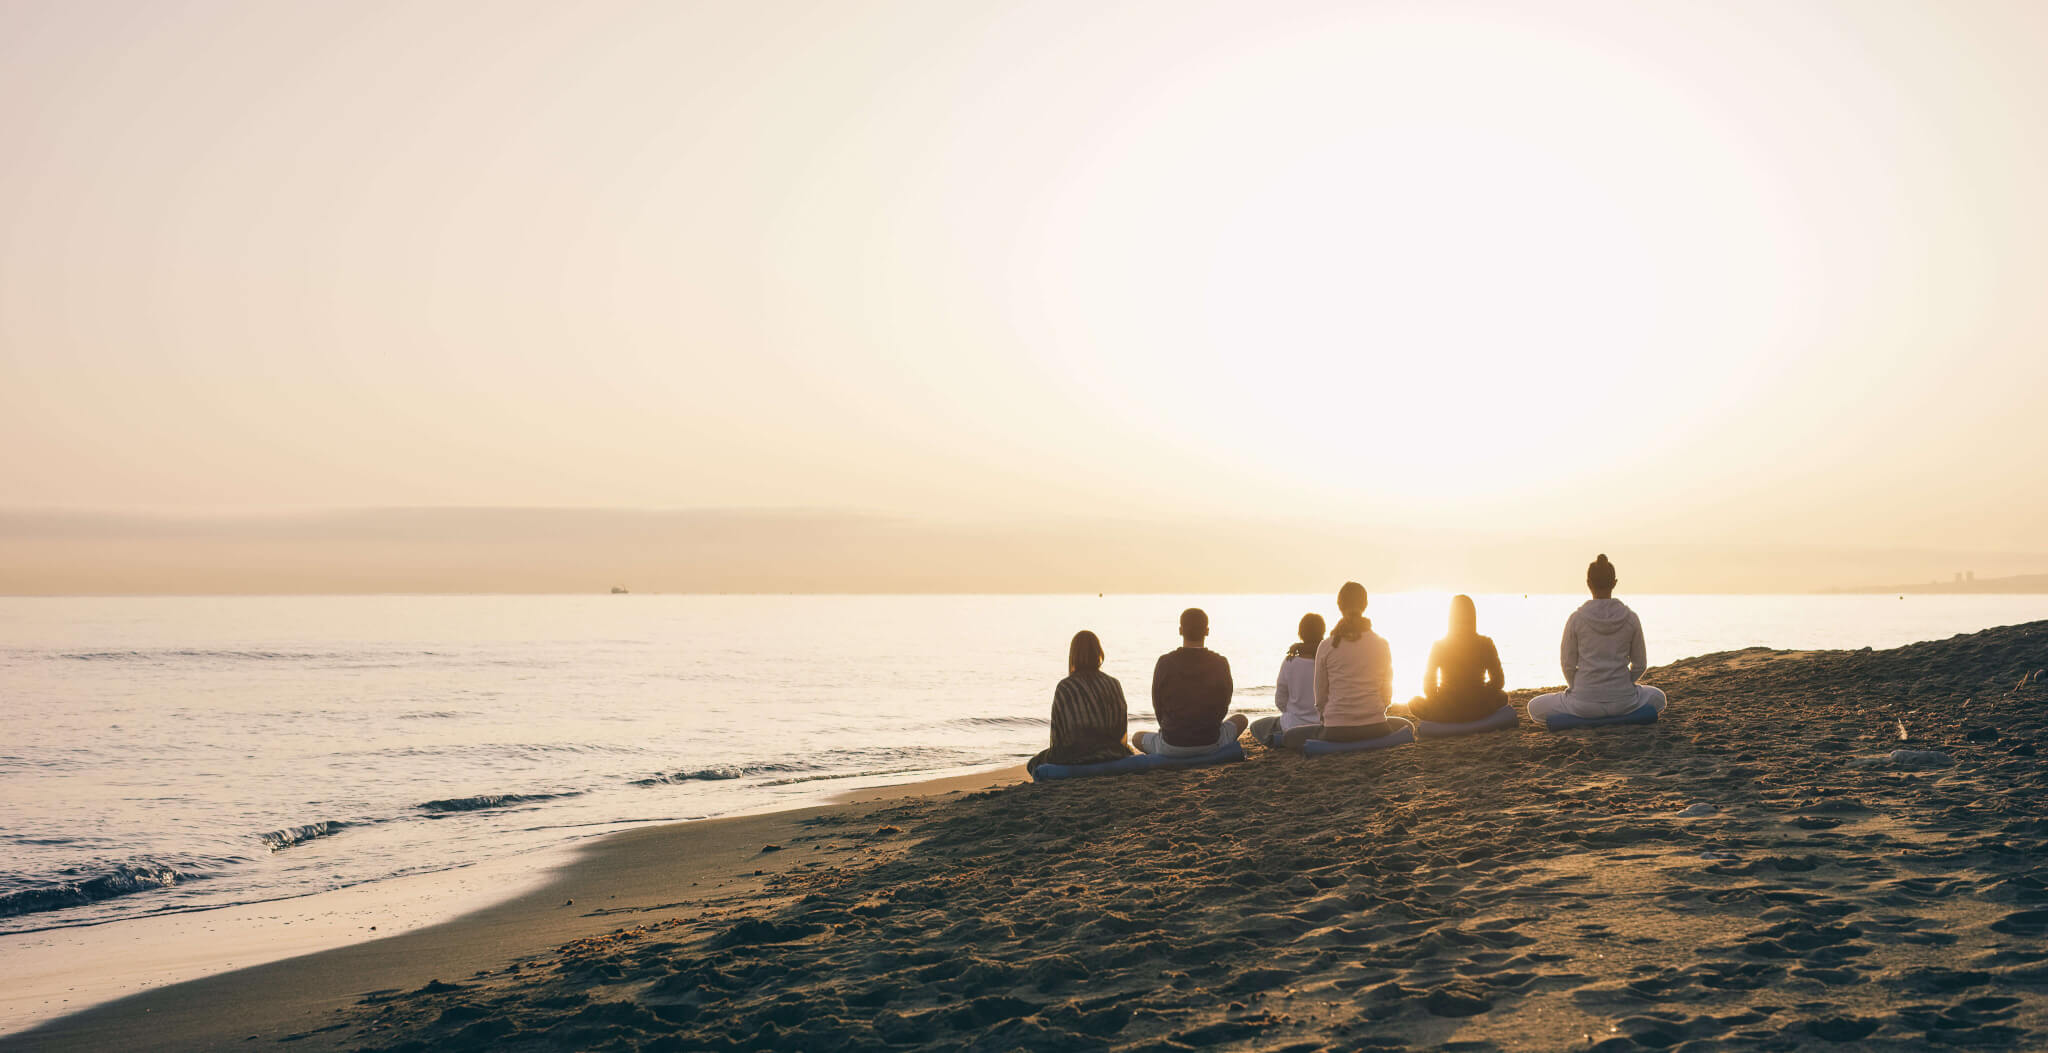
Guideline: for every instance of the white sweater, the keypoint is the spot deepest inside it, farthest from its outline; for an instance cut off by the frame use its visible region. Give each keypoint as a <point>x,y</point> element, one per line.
<point>1602,652</point>
<point>1355,681</point>
<point>1294,693</point>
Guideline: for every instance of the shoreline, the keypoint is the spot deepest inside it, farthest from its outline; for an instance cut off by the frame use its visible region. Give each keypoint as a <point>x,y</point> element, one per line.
<point>78,986</point>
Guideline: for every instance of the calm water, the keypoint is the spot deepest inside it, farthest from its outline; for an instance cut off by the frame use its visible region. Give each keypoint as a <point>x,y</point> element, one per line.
<point>173,753</point>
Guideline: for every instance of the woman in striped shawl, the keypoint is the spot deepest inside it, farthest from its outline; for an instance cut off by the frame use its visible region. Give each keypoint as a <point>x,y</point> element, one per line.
<point>1089,717</point>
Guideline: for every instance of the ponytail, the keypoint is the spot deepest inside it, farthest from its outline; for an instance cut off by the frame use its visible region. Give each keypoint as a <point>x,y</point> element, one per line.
<point>1351,601</point>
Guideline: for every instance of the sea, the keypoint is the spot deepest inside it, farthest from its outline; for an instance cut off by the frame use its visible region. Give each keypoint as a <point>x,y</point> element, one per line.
<point>183,753</point>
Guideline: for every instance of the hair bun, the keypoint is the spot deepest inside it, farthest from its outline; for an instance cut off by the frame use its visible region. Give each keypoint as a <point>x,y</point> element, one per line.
<point>1602,558</point>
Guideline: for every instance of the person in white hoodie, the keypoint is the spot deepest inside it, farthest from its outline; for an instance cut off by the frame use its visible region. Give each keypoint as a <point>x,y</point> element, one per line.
<point>1603,656</point>
<point>1294,691</point>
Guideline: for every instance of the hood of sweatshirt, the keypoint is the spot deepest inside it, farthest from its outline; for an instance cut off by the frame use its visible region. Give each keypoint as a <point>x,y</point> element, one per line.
<point>1606,616</point>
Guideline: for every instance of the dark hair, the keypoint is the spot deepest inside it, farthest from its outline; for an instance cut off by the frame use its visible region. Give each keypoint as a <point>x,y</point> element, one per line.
<point>1084,653</point>
<point>1600,573</point>
<point>1194,622</point>
<point>1351,600</point>
<point>1464,616</point>
<point>1311,632</point>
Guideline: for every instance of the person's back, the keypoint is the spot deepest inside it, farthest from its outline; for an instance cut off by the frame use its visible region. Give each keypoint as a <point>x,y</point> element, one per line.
<point>1191,697</point>
<point>1354,672</point>
<point>1190,694</point>
<point>1354,679</point>
<point>1294,692</point>
<point>1602,655</point>
<point>1463,666</point>
<point>1603,643</point>
<point>1089,715</point>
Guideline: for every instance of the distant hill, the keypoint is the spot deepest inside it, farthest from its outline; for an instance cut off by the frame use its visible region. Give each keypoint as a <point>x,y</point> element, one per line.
<point>2018,583</point>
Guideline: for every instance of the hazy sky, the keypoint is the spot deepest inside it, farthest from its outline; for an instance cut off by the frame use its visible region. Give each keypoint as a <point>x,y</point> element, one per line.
<point>1619,273</point>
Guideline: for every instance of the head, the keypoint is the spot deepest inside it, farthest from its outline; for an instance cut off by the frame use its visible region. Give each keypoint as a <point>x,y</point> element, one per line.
<point>1600,577</point>
<point>1311,633</point>
<point>1464,616</point>
<point>1350,604</point>
<point>1194,626</point>
<point>1084,655</point>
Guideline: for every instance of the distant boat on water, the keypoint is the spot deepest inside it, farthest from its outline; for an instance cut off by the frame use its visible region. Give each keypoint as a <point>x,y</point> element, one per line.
<point>618,590</point>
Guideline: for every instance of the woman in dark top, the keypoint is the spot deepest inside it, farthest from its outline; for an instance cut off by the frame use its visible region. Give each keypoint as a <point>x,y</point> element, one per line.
<point>1463,682</point>
<point>1089,716</point>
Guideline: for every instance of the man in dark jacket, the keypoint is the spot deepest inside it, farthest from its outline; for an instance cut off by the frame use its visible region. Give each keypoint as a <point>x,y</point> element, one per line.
<point>1191,697</point>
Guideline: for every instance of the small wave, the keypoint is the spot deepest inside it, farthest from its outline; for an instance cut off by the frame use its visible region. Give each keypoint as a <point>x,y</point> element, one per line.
<point>433,714</point>
<point>487,800</point>
<point>721,772</point>
<point>293,835</point>
<point>999,722</point>
<point>119,881</point>
<point>838,764</point>
<point>826,776</point>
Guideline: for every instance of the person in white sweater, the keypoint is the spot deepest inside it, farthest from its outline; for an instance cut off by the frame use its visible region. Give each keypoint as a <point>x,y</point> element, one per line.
<point>1294,691</point>
<point>1603,657</point>
<point>1354,675</point>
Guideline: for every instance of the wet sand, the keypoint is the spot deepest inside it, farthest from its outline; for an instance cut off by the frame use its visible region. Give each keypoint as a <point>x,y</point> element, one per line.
<point>1759,870</point>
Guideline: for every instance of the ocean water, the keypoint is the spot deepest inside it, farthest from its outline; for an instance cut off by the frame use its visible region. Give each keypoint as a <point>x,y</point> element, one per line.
<point>179,753</point>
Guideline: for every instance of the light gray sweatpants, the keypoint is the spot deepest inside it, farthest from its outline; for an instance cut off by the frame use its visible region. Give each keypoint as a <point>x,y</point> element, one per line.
<point>1151,742</point>
<point>1543,707</point>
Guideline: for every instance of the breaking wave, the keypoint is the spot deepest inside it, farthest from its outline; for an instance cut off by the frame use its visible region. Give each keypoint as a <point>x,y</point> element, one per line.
<point>488,800</point>
<point>296,835</point>
<point>119,881</point>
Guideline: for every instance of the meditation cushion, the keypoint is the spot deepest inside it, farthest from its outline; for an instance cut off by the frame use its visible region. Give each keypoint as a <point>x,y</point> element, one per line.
<point>1404,735</point>
<point>1135,762</point>
<point>1638,715</point>
<point>1500,720</point>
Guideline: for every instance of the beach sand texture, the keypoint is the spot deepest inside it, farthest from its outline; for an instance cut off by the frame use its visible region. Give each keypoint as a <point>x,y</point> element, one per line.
<point>1757,871</point>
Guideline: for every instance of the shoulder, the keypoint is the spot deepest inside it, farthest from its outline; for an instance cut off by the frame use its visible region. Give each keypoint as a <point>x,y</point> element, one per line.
<point>1324,647</point>
<point>1485,642</point>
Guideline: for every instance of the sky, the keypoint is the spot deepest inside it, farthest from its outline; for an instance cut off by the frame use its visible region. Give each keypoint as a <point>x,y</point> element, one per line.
<point>1240,292</point>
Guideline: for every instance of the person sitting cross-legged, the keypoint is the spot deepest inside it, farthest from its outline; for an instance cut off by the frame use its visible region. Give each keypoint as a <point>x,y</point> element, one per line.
<point>1603,657</point>
<point>1089,717</point>
<point>1294,692</point>
<point>1191,697</point>
<point>1463,682</point>
<point>1354,675</point>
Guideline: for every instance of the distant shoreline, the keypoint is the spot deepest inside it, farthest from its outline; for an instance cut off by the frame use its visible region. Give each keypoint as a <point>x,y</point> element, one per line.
<point>2016,585</point>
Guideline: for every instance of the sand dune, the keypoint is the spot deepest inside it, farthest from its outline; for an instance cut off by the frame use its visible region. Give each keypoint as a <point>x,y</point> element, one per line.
<point>1758,871</point>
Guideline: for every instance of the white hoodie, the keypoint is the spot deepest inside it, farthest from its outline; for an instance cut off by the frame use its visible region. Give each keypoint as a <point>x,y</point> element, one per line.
<point>1602,652</point>
<point>1294,693</point>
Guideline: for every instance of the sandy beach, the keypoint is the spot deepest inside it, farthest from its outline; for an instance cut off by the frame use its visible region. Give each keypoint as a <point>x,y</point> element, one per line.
<point>1759,870</point>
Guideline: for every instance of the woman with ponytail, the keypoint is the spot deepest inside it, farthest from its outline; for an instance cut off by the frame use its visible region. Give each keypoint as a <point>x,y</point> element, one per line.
<point>1294,691</point>
<point>1602,655</point>
<point>1354,674</point>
